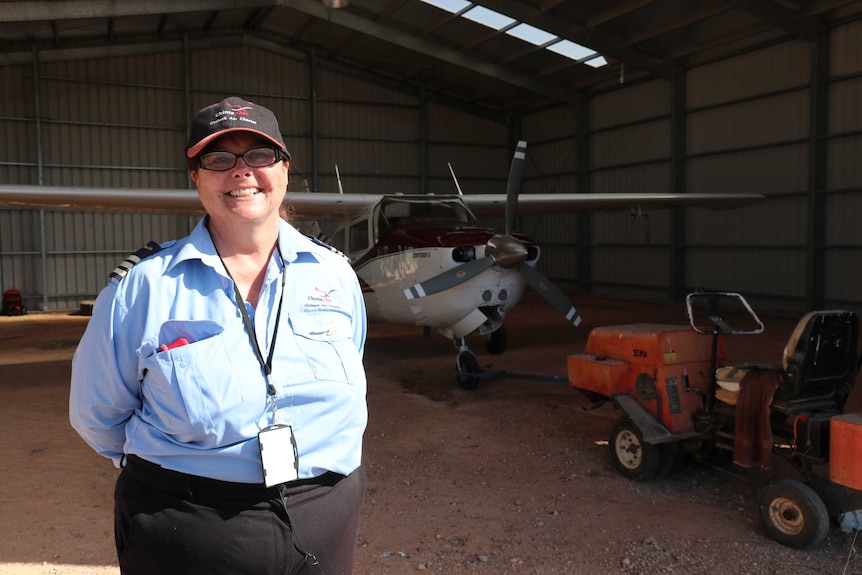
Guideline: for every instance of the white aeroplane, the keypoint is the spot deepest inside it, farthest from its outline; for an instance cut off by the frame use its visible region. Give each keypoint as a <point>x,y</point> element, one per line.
<point>421,260</point>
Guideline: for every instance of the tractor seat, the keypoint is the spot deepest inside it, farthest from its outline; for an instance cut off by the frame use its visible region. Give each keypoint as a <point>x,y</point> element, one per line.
<point>820,356</point>
<point>818,364</point>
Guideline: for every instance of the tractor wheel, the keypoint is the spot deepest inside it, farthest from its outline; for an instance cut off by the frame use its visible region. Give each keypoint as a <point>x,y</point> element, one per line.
<point>793,514</point>
<point>631,456</point>
<point>468,370</point>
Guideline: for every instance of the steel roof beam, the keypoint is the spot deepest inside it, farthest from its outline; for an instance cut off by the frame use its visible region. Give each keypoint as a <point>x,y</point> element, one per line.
<point>791,22</point>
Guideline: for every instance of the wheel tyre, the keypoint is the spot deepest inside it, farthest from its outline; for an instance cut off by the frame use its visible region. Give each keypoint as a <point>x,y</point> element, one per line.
<point>792,514</point>
<point>497,341</point>
<point>467,364</point>
<point>631,456</point>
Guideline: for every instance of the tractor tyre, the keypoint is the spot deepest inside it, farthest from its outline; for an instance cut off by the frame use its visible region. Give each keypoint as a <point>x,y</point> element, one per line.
<point>793,514</point>
<point>632,457</point>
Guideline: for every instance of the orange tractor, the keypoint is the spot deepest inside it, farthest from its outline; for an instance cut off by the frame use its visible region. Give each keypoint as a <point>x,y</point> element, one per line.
<point>677,394</point>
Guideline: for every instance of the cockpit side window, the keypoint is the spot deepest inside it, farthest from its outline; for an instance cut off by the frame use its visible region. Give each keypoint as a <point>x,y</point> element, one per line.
<point>358,237</point>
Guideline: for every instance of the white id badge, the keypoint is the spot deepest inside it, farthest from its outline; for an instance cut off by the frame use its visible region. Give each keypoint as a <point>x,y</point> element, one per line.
<point>278,454</point>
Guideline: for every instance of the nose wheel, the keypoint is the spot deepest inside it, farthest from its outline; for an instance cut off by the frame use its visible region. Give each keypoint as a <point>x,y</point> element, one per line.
<point>466,367</point>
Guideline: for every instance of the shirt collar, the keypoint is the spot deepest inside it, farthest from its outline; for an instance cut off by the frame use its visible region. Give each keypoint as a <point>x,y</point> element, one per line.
<point>198,245</point>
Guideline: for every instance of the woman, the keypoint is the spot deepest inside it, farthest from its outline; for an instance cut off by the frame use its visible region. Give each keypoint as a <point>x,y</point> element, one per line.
<point>223,373</point>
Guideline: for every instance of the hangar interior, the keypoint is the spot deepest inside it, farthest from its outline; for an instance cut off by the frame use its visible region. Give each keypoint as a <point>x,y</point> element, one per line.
<point>634,96</point>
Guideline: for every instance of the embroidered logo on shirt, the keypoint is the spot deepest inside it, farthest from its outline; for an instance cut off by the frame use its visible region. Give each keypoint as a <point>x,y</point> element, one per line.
<point>322,300</point>
<point>325,296</point>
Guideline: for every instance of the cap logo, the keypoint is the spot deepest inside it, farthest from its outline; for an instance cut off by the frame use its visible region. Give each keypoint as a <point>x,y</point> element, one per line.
<point>232,114</point>
<point>238,113</point>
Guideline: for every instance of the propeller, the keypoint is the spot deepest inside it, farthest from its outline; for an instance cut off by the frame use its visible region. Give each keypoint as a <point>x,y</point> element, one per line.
<point>502,250</point>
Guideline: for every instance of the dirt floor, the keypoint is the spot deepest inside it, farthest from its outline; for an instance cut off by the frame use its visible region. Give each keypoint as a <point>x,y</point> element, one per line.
<point>513,477</point>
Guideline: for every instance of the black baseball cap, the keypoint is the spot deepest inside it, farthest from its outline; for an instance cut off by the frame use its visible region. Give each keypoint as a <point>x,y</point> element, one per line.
<point>231,115</point>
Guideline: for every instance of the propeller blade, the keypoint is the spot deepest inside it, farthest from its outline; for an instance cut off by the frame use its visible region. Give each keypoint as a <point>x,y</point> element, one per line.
<point>449,278</point>
<point>516,173</point>
<point>551,293</point>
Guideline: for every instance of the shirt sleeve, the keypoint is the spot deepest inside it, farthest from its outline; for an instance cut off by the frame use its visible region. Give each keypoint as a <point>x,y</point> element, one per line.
<point>360,321</point>
<point>104,388</point>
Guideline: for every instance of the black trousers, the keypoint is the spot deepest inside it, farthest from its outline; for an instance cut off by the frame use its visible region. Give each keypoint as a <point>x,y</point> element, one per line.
<point>168,523</point>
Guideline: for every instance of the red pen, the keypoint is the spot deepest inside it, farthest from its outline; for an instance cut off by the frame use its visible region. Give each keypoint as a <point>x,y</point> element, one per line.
<point>176,343</point>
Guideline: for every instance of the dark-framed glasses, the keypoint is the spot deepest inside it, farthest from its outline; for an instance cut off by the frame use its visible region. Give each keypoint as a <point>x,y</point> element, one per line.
<point>254,158</point>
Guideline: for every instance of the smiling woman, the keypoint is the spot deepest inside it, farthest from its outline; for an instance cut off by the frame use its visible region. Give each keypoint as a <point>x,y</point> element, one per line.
<point>235,410</point>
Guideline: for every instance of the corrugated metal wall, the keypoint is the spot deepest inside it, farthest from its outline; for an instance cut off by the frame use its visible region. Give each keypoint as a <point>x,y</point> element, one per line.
<point>122,122</point>
<point>784,121</point>
<point>748,126</point>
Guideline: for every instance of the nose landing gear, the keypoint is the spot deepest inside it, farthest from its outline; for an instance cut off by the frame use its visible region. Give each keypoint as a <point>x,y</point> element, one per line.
<point>466,366</point>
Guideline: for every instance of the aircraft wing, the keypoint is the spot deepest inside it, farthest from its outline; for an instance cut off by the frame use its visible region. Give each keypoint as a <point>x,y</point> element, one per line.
<point>117,199</point>
<point>327,206</point>
<point>307,205</point>
<point>547,204</point>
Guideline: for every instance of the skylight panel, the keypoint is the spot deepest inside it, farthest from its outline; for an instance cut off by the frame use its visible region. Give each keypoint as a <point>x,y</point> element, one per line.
<point>571,50</point>
<point>536,36</point>
<point>489,18</point>
<point>531,34</point>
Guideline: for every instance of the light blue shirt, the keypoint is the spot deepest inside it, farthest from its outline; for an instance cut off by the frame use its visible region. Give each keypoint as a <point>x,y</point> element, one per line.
<point>198,408</point>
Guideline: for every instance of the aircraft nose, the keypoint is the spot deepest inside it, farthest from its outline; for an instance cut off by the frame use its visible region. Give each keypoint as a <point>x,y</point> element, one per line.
<point>506,251</point>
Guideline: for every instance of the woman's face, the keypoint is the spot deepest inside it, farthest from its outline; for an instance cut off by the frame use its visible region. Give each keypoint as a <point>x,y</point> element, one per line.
<point>241,194</point>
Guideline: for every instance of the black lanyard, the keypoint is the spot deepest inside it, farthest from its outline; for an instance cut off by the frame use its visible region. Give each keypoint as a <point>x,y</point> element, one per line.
<point>266,366</point>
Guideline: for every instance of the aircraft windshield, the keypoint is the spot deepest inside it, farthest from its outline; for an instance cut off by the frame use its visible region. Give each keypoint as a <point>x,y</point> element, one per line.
<point>396,212</point>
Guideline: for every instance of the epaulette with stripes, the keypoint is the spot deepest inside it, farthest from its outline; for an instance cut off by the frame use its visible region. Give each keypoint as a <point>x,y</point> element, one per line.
<point>323,244</point>
<point>121,270</point>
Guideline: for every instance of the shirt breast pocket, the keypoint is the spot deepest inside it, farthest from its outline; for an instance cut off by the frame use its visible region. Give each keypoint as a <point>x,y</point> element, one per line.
<point>326,341</point>
<point>190,390</point>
